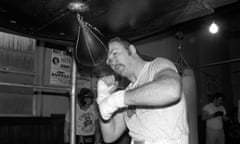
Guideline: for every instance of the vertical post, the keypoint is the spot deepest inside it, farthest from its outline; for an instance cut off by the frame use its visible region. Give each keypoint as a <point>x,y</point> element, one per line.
<point>73,102</point>
<point>73,92</point>
<point>40,56</point>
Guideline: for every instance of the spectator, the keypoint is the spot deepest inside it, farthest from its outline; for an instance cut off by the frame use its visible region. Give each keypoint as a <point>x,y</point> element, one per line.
<point>87,126</point>
<point>214,113</point>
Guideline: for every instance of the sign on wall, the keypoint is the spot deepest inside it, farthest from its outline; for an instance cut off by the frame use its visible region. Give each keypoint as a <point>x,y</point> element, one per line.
<point>60,73</point>
<point>83,81</point>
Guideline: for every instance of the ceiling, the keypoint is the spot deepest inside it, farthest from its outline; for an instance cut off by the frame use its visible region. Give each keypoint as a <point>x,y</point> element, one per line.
<point>52,19</point>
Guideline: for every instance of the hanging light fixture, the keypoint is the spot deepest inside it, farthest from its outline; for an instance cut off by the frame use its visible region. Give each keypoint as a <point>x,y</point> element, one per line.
<point>78,6</point>
<point>213,28</point>
<point>181,63</point>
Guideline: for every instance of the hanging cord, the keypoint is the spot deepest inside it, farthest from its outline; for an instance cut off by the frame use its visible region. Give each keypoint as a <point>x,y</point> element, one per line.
<point>181,63</point>
<point>79,19</point>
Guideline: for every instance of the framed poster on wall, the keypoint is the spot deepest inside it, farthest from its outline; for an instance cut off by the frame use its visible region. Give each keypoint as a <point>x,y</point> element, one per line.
<point>60,69</point>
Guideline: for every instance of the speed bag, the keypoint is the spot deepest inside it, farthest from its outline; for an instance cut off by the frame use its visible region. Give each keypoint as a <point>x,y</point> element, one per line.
<point>90,48</point>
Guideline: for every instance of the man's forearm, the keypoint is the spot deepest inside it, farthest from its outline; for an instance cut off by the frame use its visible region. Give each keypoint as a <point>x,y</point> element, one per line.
<point>157,93</point>
<point>206,115</point>
<point>108,130</point>
<point>113,129</point>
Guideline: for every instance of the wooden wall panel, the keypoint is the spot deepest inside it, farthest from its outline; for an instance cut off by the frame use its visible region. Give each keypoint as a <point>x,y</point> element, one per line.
<point>31,130</point>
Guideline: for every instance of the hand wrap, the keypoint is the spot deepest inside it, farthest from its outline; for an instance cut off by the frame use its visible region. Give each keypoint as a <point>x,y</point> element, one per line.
<point>111,104</point>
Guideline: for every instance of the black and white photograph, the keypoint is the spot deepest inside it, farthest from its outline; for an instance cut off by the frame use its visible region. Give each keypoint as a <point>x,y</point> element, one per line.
<point>119,72</point>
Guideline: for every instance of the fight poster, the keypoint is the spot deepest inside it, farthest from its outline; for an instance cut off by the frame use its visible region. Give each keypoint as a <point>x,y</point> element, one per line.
<point>60,73</point>
<point>83,81</point>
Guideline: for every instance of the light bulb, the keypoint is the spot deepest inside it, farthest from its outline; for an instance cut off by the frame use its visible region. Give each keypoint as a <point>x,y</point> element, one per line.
<point>213,28</point>
<point>77,6</point>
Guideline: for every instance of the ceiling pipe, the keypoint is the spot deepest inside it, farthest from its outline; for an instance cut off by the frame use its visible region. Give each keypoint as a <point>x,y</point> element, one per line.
<point>219,63</point>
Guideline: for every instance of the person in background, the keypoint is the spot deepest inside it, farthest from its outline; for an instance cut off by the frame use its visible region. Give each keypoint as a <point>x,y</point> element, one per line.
<point>214,113</point>
<point>87,125</point>
<point>152,108</point>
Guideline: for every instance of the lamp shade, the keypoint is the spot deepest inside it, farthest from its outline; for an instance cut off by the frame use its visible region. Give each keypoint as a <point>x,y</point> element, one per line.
<point>90,48</point>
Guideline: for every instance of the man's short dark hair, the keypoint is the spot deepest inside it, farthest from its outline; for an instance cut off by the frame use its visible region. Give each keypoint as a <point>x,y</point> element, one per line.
<point>121,40</point>
<point>216,96</point>
<point>219,95</point>
<point>124,41</point>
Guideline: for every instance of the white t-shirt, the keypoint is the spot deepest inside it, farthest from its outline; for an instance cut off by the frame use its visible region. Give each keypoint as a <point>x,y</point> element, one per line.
<point>215,122</point>
<point>160,125</point>
<point>85,120</point>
